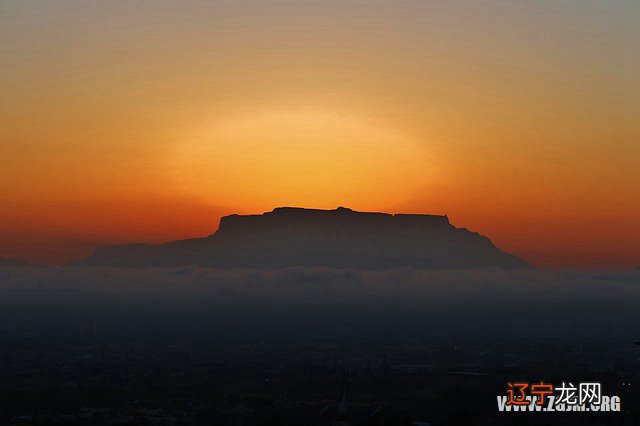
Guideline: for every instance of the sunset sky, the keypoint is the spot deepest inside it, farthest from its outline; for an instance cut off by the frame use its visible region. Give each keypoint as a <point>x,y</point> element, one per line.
<point>146,121</point>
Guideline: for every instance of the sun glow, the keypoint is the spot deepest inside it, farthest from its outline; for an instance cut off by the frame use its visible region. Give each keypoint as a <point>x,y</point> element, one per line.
<point>302,157</point>
<point>146,121</point>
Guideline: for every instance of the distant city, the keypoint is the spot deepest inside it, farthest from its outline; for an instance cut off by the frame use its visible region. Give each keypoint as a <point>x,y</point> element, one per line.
<point>309,346</point>
<point>118,376</point>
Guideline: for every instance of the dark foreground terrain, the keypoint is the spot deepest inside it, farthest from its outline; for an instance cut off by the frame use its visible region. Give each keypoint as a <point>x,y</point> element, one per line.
<point>308,346</point>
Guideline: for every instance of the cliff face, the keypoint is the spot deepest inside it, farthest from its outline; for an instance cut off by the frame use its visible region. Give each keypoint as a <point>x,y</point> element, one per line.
<point>335,238</point>
<point>296,222</point>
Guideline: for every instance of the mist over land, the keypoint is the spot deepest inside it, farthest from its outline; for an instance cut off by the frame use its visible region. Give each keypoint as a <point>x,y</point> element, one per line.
<point>195,345</point>
<point>601,306</point>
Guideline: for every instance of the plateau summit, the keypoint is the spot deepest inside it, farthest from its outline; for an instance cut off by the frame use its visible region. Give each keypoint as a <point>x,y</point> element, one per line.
<point>340,238</point>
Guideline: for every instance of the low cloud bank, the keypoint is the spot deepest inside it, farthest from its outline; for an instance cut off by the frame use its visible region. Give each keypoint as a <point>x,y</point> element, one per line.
<point>526,304</point>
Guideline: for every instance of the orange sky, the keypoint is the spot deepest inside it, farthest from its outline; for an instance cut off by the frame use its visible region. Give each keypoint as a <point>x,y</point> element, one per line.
<point>126,122</point>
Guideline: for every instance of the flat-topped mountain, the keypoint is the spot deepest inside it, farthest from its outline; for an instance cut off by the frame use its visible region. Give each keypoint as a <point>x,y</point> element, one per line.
<point>341,238</point>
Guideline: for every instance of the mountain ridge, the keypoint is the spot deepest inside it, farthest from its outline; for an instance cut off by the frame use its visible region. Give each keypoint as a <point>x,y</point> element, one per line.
<point>295,236</point>
<point>7,262</point>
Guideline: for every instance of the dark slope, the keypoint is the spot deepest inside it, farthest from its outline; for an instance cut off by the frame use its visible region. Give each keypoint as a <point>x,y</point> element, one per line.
<point>340,238</point>
<point>16,263</point>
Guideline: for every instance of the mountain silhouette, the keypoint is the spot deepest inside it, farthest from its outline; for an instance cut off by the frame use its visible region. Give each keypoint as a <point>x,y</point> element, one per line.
<point>11,263</point>
<point>341,238</point>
